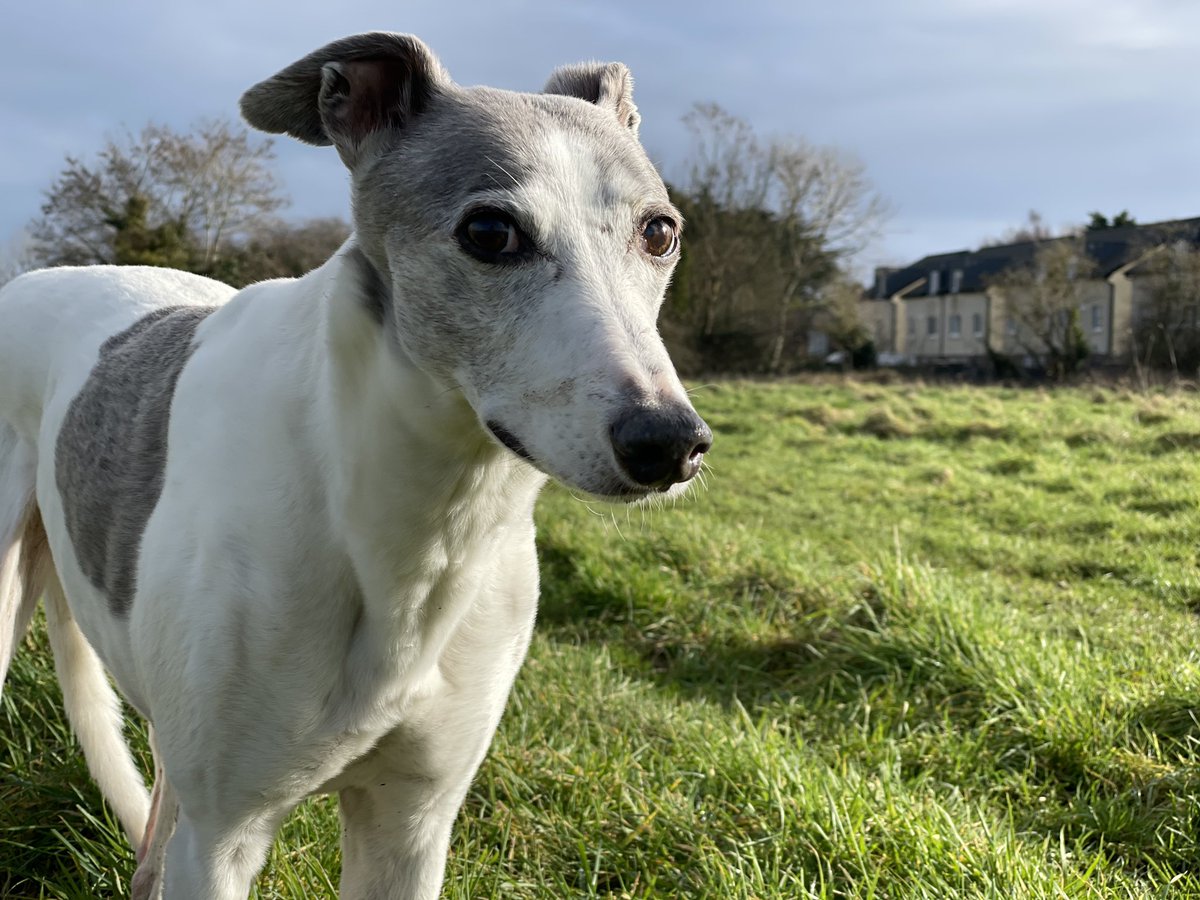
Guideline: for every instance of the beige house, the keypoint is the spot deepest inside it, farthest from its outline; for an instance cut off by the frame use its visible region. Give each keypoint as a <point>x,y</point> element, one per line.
<point>945,309</point>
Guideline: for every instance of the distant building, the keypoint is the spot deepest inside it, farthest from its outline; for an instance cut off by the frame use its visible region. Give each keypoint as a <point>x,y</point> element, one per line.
<point>945,309</point>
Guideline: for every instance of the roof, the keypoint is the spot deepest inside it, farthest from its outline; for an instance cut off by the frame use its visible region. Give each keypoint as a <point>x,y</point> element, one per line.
<point>1109,248</point>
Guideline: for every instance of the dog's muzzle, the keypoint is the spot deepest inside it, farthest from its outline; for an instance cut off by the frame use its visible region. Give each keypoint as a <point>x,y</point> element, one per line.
<point>658,446</point>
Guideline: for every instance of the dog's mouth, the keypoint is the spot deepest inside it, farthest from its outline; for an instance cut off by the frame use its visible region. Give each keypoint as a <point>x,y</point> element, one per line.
<point>613,491</point>
<point>511,441</point>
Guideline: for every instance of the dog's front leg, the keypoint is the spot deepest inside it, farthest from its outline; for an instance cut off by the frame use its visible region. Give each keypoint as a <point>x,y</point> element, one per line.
<point>395,837</point>
<point>208,861</point>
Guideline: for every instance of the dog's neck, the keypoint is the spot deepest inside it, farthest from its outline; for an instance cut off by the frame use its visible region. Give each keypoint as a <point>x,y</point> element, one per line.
<point>424,497</point>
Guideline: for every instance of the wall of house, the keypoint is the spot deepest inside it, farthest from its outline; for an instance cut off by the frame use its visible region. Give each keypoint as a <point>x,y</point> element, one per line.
<point>969,312</point>
<point>1095,316</point>
<point>960,326</point>
<point>919,343</point>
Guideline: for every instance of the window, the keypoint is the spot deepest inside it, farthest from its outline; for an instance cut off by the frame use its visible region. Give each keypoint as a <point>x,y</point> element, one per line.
<point>954,329</point>
<point>935,282</point>
<point>956,281</point>
<point>1010,326</point>
<point>931,325</point>
<point>977,325</point>
<point>1096,322</point>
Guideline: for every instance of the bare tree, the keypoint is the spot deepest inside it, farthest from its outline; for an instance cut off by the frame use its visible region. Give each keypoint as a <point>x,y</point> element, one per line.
<point>1168,323</point>
<point>1043,299</point>
<point>1033,229</point>
<point>159,197</point>
<point>726,183</point>
<point>827,212</point>
<point>769,223</point>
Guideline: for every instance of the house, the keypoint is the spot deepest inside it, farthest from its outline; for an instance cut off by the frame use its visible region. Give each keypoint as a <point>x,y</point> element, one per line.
<point>946,309</point>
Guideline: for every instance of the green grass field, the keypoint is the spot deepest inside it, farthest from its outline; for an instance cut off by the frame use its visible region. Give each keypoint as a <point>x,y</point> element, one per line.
<point>908,641</point>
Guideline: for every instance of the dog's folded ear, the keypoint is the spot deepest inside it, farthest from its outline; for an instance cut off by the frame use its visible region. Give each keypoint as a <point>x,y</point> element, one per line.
<point>608,85</point>
<point>347,90</point>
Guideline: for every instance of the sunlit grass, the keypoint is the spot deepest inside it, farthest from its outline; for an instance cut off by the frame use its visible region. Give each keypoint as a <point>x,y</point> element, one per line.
<point>910,641</point>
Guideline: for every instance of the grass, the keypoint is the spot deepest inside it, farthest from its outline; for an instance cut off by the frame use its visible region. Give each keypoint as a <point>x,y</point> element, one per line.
<point>910,642</point>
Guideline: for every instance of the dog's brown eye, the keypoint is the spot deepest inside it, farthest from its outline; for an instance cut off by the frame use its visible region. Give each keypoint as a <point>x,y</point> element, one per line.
<point>659,237</point>
<point>491,234</point>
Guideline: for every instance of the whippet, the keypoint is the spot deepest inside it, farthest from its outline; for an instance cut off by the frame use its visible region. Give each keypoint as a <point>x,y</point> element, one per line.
<point>294,522</point>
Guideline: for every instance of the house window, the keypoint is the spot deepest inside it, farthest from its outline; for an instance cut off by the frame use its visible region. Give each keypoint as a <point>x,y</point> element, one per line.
<point>931,325</point>
<point>912,326</point>
<point>1010,327</point>
<point>956,281</point>
<point>935,282</point>
<point>954,328</point>
<point>1096,326</point>
<point>977,324</point>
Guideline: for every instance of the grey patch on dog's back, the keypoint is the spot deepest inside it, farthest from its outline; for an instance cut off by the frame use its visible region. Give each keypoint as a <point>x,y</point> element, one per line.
<point>112,448</point>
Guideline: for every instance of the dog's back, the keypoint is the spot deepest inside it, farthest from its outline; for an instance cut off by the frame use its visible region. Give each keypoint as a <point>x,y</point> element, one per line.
<point>55,320</point>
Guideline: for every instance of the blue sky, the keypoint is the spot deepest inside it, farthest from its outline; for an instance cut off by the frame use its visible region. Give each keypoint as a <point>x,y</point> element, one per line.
<point>966,113</point>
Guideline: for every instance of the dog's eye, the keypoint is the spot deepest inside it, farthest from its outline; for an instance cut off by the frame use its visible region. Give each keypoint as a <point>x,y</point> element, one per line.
<point>659,238</point>
<point>490,234</point>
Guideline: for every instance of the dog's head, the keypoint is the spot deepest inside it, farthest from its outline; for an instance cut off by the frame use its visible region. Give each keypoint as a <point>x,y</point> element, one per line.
<point>523,244</point>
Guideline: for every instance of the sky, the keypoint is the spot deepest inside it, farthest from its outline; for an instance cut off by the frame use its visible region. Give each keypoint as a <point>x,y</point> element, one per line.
<point>966,113</point>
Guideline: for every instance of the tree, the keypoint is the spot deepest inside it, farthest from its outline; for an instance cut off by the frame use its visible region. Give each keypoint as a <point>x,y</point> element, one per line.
<point>14,259</point>
<point>840,320</point>
<point>826,211</point>
<point>283,250</point>
<point>1097,221</point>
<point>769,222</point>
<point>160,198</point>
<point>1033,229</point>
<point>1167,328</point>
<point>1043,299</point>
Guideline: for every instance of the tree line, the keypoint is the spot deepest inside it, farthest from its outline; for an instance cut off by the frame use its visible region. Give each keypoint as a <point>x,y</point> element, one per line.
<point>770,227</point>
<point>205,201</point>
<point>773,225</point>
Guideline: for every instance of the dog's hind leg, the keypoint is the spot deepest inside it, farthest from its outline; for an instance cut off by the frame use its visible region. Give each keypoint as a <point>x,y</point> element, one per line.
<point>95,715</point>
<point>24,555</point>
<point>164,809</point>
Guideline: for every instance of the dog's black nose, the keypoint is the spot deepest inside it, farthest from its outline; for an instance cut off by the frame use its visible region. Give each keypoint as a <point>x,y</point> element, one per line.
<point>659,446</point>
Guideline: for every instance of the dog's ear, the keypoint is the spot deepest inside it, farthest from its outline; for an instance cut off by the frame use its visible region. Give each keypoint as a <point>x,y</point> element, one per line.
<point>608,85</point>
<point>347,90</point>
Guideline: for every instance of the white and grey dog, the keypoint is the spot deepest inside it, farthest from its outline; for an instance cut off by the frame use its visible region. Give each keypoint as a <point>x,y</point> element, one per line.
<point>294,523</point>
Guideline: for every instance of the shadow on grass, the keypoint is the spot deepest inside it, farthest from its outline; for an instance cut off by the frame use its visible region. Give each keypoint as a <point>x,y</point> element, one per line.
<point>827,651</point>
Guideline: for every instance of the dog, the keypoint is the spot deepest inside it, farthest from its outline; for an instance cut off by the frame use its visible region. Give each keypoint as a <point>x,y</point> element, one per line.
<point>294,522</point>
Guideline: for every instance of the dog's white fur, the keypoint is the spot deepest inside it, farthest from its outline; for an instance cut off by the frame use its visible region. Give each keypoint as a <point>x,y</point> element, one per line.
<point>338,581</point>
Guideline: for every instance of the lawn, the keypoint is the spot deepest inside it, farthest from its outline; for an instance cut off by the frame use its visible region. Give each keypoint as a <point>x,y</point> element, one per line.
<point>906,641</point>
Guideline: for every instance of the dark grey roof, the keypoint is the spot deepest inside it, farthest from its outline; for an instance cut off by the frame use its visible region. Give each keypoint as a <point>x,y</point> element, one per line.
<point>1109,248</point>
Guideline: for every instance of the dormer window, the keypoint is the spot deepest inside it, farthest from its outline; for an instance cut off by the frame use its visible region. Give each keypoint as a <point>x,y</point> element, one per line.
<point>935,282</point>
<point>956,281</point>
